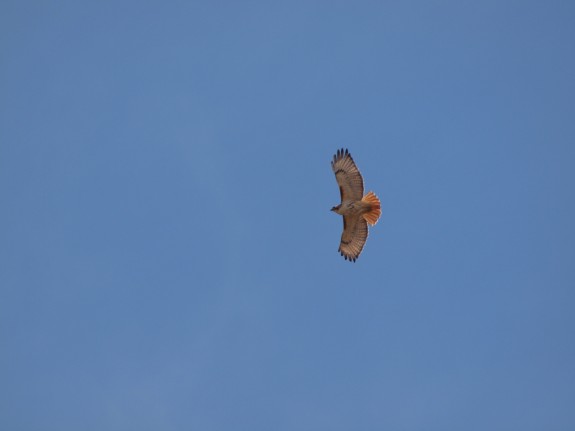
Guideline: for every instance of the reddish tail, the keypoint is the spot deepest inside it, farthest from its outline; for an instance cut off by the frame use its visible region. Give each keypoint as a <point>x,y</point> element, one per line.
<point>373,214</point>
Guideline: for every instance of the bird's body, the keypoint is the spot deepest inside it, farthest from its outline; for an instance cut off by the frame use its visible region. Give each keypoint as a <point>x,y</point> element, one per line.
<point>352,208</point>
<point>357,210</point>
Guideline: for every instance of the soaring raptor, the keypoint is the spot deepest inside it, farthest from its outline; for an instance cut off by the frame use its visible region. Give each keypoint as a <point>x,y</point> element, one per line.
<point>357,210</point>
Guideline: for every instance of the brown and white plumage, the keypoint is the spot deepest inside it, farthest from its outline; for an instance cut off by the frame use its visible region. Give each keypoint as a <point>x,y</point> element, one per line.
<point>357,210</point>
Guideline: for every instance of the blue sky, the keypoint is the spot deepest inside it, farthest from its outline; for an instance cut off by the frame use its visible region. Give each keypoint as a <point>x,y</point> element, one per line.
<point>167,255</point>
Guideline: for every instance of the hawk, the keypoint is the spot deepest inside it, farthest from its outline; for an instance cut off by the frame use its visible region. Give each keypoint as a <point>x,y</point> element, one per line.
<point>357,210</point>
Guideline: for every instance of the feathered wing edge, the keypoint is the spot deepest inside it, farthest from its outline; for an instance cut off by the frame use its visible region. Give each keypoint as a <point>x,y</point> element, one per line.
<point>353,238</point>
<point>347,175</point>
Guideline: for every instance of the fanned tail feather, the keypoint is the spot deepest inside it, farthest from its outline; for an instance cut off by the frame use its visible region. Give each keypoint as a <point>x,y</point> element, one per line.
<point>373,214</point>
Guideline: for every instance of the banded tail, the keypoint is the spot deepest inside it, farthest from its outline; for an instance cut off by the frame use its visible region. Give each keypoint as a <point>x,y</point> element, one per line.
<point>375,211</point>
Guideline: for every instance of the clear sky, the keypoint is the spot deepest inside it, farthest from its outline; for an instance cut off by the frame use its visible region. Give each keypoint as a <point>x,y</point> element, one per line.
<point>168,260</point>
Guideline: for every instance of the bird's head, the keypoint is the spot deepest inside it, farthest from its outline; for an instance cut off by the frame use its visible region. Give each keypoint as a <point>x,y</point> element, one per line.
<point>335,208</point>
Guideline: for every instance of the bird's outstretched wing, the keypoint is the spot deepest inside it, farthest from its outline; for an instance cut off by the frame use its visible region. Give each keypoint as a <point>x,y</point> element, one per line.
<point>348,176</point>
<point>353,237</point>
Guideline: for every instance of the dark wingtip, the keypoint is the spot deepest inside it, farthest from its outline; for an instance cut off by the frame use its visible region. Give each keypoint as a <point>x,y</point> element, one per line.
<point>340,154</point>
<point>349,258</point>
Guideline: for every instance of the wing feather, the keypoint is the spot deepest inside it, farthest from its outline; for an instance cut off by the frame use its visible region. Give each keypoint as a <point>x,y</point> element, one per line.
<point>353,238</point>
<point>347,175</point>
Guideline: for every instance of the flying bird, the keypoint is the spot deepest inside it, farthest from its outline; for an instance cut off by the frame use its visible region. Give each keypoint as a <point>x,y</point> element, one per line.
<point>357,210</point>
